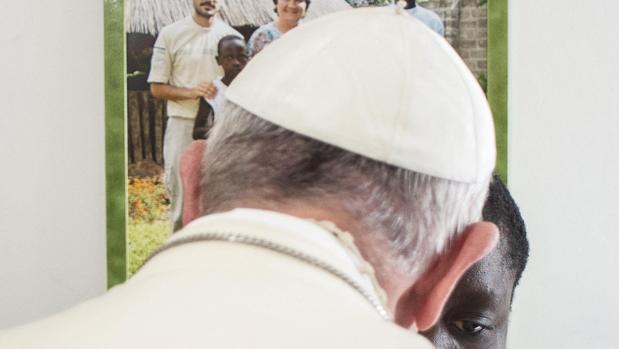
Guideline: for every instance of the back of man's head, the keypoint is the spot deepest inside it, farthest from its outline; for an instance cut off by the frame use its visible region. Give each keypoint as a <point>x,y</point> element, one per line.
<point>401,156</point>
<point>407,214</point>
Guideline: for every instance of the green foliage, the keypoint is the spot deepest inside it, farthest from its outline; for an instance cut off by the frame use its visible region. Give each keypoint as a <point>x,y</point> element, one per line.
<point>143,239</point>
<point>148,226</point>
<point>147,199</point>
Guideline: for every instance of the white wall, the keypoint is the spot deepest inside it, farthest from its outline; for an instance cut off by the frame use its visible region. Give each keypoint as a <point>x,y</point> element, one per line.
<point>564,170</point>
<point>52,193</point>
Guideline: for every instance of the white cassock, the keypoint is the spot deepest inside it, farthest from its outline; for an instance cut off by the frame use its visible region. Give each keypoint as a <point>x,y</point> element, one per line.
<point>252,279</point>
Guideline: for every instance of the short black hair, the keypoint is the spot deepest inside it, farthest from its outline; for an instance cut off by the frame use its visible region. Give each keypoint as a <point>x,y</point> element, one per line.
<point>226,38</point>
<point>501,209</point>
<point>307,4</point>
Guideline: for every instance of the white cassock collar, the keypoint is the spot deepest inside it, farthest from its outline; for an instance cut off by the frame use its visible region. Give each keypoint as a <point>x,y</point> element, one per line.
<point>319,243</point>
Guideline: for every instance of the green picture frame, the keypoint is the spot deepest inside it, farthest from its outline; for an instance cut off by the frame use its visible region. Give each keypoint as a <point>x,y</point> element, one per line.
<point>498,63</point>
<point>115,119</point>
<point>115,141</point>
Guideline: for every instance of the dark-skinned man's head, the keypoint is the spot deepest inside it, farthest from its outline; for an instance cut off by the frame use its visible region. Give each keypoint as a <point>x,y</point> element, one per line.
<point>477,313</point>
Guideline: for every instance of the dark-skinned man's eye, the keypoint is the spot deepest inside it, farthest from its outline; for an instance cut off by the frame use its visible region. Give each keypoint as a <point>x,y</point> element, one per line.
<point>470,328</point>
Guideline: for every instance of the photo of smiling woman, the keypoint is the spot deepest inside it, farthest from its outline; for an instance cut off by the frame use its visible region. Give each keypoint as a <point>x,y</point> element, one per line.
<point>289,14</point>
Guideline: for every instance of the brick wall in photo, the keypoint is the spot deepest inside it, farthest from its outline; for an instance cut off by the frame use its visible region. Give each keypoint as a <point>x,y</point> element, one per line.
<point>465,29</point>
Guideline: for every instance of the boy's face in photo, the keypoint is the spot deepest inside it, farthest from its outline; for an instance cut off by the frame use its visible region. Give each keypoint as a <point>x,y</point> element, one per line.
<point>476,314</point>
<point>233,57</point>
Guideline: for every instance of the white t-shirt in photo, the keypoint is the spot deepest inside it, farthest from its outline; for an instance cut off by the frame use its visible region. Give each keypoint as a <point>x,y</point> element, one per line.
<point>184,56</point>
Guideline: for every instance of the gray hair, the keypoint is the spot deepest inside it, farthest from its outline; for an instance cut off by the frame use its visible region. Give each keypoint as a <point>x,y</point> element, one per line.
<point>415,215</point>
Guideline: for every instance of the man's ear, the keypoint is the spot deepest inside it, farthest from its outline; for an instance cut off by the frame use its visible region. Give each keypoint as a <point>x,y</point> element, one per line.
<point>217,60</point>
<point>422,304</point>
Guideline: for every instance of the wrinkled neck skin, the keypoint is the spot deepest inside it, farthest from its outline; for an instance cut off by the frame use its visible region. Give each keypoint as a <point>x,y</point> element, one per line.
<point>393,281</point>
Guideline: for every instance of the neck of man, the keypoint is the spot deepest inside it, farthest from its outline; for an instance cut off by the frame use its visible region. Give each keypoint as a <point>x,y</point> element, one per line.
<point>284,25</point>
<point>394,281</point>
<point>203,21</point>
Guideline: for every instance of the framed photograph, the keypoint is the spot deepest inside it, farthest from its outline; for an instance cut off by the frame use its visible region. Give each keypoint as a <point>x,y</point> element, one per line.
<point>138,204</point>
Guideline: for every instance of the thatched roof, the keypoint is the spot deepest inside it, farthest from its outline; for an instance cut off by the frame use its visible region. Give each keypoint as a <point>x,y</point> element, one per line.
<point>149,16</point>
